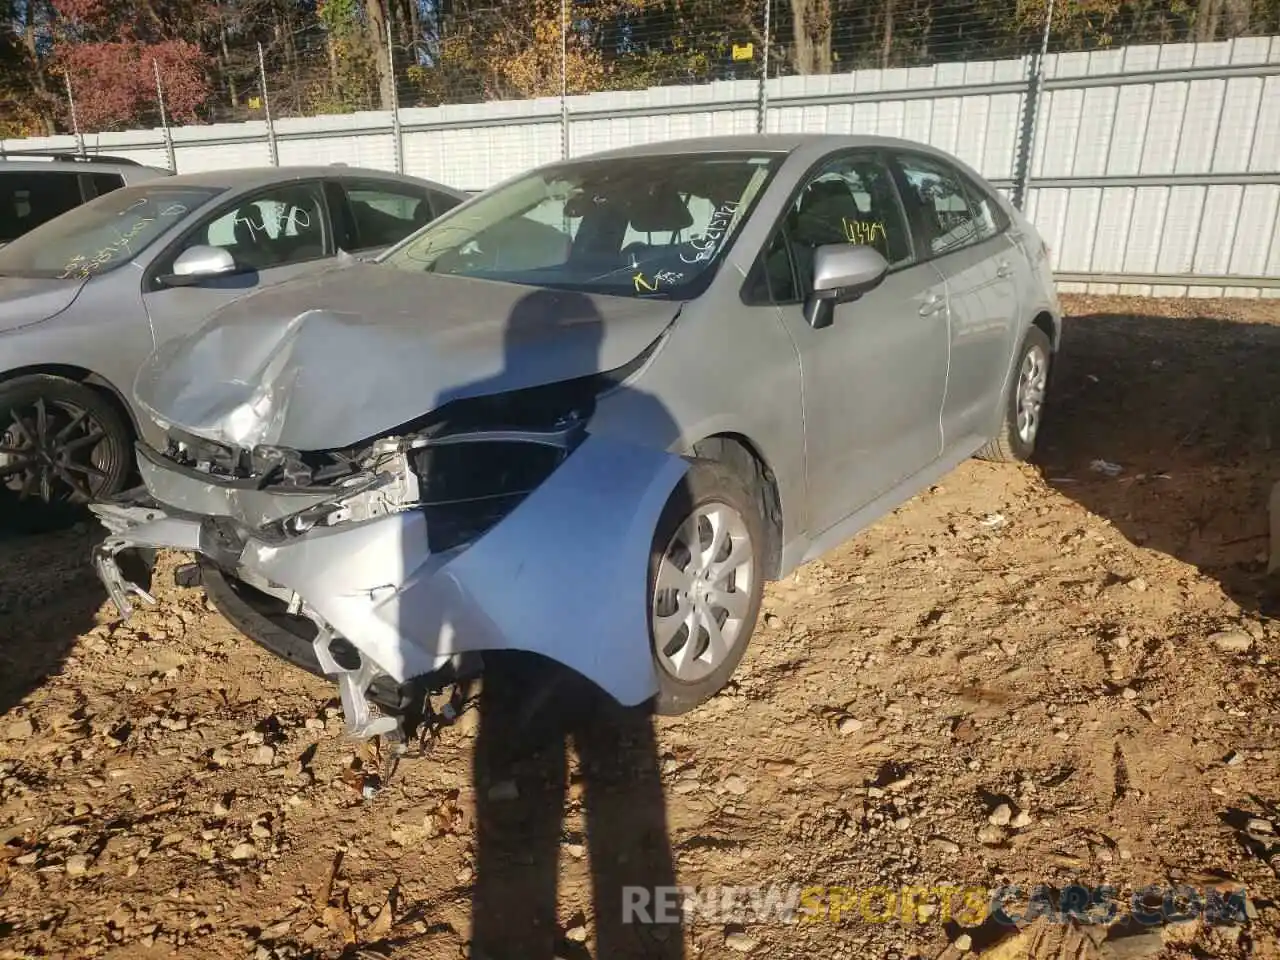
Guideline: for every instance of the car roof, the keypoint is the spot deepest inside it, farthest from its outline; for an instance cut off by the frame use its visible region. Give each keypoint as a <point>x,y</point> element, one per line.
<point>70,163</point>
<point>757,143</point>
<point>250,177</point>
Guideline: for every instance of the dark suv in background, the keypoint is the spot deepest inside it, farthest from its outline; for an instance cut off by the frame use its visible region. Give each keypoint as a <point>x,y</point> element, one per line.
<point>36,187</point>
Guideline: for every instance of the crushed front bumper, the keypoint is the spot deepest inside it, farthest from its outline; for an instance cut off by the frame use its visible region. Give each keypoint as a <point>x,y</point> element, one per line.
<point>564,574</point>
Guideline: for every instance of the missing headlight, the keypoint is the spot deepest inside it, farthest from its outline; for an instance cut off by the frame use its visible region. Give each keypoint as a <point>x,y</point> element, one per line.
<point>467,486</point>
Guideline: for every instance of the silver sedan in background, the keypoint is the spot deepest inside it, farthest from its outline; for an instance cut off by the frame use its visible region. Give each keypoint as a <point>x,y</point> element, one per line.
<point>588,413</point>
<point>86,296</point>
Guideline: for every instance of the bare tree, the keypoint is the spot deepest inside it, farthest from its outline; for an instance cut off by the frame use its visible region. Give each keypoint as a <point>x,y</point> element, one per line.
<point>811,20</point>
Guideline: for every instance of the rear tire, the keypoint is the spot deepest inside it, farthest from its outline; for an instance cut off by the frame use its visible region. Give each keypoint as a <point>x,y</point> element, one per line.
<point>62,445</point>
<point>1015,441</point>
<point>704,600</point>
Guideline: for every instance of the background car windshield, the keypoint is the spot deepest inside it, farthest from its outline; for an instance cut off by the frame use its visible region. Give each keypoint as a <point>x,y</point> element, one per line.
<point>102,234</point>
<point>642,226</point>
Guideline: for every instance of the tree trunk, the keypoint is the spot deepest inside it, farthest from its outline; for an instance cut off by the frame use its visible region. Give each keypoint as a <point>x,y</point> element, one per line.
<point>37,73</point>
<point>1205,26</point>
<point>224,65</point>
<point>376,17</point>
<point>1236,16</point>
<point>811,20</point>
<point>415,26</point>
<point>926,29</point>
<point>886,45</point>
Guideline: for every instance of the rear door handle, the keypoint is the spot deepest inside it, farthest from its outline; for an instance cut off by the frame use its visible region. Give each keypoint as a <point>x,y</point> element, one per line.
<point>932,304</point>
<point>1004,270</point>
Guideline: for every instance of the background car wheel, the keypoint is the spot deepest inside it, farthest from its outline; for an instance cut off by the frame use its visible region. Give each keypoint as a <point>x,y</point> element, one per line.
<point>62,444</point>
<point>1023,403</point>
<point>705,584</point>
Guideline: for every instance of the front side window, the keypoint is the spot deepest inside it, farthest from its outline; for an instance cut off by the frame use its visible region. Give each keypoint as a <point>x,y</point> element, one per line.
<point>633,226</point>
<point>950,219</point>
<point>384,214</point>
<point>275,228</point>
<point>850,199</point>
<point>101,235</point>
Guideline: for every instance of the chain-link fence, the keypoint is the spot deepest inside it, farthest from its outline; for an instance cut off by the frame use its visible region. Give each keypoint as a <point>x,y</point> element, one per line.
<point>1140,136</point>
<point>261,59</point>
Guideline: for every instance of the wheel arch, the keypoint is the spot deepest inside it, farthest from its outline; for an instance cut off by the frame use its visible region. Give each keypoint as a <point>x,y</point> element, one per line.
<point>738,451</point>
<point>81,375</point>
<point>1052,329</point>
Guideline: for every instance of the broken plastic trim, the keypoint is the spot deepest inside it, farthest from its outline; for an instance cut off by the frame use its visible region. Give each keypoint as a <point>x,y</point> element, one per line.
<point>410,610</point>
<point>362,718</point>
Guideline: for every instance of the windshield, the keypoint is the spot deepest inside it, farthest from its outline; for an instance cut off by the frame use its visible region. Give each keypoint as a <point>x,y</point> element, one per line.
<point>102,234</point>
<point>635,226</point>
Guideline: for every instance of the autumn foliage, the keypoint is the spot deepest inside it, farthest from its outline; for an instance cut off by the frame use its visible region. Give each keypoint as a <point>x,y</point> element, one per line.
<point>327,56</point>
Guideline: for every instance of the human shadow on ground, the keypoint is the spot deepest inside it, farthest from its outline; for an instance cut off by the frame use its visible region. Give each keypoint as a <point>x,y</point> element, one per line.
<point>1183,412</point>
<point>49,594</point>
<point>535,716</point>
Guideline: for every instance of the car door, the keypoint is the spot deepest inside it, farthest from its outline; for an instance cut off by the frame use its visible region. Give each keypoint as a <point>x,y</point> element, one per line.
<point>274,234</point>
<point>376,214</point>
<point>874,379</point>
<point>964,233</point>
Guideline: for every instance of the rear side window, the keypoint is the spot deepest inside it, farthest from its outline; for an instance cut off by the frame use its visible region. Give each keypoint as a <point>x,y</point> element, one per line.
<point>946,203</point>
<point>386,213</point>
<point>106,182</point>
<point>440,202</point>
<point>28,199</point>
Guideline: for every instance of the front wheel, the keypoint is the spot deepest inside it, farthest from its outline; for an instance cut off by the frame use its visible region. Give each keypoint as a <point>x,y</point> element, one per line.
<point>62,445</point>
<point>1023,403</point>
<point>705,585</point>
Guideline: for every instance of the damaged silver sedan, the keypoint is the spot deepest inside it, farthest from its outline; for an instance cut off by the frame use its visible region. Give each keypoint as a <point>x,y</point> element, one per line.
<point>588,413</point>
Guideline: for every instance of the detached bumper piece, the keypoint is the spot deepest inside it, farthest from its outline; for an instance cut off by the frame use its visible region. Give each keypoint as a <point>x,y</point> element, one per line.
<point>395,575</point>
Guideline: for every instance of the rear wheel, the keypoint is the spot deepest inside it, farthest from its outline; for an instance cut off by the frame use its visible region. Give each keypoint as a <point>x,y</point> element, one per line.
<point>1024,403</point>
<point>705,585</point>
<point>62,445</point>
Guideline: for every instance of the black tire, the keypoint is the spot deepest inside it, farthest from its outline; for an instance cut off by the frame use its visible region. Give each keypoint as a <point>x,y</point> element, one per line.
<point>1008,445</point>
<point>83,470</point>
<point>706,482</point>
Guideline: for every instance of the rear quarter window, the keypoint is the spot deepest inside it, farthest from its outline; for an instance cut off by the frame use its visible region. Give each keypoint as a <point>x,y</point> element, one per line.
<point>106,182</point>
<point>30,198</point>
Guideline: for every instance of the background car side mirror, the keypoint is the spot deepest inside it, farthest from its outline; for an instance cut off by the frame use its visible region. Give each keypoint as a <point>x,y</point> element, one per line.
<point>841,272</point>
<point>200,263</point>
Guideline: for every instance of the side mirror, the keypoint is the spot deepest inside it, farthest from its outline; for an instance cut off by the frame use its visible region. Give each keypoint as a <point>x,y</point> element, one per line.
<point>200,263</point>
<point>841,272</point>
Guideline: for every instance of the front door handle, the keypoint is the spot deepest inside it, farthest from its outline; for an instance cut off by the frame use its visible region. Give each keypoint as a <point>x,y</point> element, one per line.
<point>932,304</point>
<point>1004,270</point>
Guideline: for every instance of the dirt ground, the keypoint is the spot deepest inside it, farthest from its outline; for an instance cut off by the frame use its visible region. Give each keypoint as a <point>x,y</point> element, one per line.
<point>1062,673</point>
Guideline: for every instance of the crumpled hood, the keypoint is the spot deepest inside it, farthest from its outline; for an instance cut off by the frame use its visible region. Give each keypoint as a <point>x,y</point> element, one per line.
<point>336,357</point>
<point>27,300</point>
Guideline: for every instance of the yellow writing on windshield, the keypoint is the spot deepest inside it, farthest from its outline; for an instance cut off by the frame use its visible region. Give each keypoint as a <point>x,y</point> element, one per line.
<point>643,284</point>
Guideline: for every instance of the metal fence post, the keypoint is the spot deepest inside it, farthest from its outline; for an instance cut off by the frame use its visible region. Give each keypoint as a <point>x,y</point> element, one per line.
<point>1031,115</point>
<point>75,122</point>
<point>395,102</point>
<point>164,118</point>
<point>266,107</point>
<point>762,104</point>
<point>564,79</point>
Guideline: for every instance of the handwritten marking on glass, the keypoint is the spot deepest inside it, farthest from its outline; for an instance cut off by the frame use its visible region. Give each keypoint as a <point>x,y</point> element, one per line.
<point>82,266</point>
<point>863,231</point>
<point>668,276</point>
<point>643,284</point>
<point>705,246</point>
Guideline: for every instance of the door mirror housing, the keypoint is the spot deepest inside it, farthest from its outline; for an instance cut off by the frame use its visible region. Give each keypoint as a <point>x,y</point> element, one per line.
<point>200,263</point>
<point>841,272</point>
